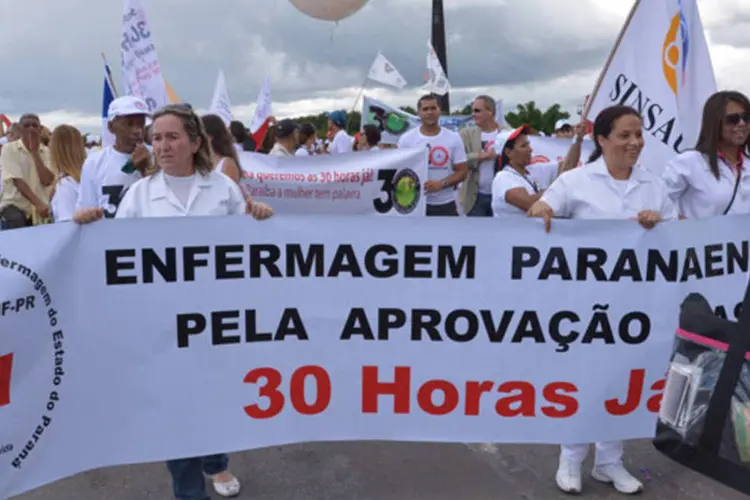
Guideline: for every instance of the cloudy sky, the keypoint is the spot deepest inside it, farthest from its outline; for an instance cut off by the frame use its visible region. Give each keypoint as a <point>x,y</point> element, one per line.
<point>544,50</point>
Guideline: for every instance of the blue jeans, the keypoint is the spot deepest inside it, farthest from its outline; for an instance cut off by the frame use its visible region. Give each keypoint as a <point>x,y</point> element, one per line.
<point>483,206</point>
<point>188,482</point>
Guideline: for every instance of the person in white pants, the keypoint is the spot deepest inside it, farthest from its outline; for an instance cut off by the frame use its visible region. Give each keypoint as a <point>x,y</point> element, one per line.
<point>609,187</point>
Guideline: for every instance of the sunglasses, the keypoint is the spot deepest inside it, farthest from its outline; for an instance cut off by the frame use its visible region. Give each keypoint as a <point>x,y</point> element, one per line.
<point>735,118</point>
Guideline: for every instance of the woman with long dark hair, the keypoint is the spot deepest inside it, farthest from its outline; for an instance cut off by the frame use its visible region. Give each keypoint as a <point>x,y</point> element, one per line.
<point>710,180</point>
<point>608,187</point>
<point>223,152</point>
<point>307,136</point>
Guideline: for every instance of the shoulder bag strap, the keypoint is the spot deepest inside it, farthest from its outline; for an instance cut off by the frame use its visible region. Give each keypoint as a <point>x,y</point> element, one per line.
<point>734,193</point>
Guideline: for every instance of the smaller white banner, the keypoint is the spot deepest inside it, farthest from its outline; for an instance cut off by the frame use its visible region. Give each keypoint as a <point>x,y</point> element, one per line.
<point>262,106</point>
<point>140,64</point>
<point>220,104</point>
<point>377,182</point>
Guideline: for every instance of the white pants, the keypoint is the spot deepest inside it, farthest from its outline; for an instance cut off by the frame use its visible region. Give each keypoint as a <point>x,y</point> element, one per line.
<point>607,452</point>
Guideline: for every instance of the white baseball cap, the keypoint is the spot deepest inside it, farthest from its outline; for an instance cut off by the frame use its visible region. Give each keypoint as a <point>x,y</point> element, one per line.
<point>126,105</point>
<point>562,123</point>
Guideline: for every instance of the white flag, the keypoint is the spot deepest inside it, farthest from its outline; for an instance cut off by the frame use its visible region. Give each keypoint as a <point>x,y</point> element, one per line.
<point>435,80</point>
<point>499,113</point>
<point>220,105</point>
<point>140,65</point>
<point>663,69</point>
<point>384,72</point>
<point>262,107</point>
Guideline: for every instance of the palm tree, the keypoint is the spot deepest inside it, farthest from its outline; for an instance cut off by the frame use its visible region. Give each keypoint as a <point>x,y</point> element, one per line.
<point>539,120</point>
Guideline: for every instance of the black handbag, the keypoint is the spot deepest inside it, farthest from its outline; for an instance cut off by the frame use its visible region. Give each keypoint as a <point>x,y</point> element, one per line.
<point>704,419</point>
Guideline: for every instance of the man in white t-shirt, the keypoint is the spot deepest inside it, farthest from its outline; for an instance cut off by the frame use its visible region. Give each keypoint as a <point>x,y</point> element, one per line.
<point>107,174</point>
<point>447,160</point>
<point>341,142</point>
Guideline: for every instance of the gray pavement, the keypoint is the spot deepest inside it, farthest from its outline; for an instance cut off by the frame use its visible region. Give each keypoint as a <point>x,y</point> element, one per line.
<point>395,471</point>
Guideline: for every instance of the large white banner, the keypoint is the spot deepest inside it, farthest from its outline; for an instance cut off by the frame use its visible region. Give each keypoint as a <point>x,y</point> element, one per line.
<point>116,336</point>
<point>140,63</point>
<point>376,182</point>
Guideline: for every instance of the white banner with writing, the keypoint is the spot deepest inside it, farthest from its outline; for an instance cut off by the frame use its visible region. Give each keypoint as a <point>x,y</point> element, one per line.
<point>115,336</point>
<point>377,182</point>
<point>140,63</point>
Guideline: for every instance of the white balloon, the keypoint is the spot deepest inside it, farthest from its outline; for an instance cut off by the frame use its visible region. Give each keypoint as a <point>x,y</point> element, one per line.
<point>329,10</point>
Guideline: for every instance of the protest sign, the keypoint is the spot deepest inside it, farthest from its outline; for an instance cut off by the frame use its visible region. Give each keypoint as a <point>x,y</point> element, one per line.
<point>373,182</point>
<point>338,329</point>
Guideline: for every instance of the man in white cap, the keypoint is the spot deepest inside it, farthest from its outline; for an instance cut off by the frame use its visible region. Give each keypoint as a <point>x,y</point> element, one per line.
<point>564,129</point>
<point>108,173</point>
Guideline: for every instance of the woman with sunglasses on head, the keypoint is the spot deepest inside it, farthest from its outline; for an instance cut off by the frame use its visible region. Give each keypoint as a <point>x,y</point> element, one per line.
<point>608,187</point>
<point>187,185</point>
<point>710,179</point>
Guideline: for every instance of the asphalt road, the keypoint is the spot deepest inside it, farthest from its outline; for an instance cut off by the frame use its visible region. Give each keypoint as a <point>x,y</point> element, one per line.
<point>395,471</point>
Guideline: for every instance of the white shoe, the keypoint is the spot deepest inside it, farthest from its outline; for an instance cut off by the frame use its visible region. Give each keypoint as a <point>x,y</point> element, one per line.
<point>228,489</point>
<point>568,476</point>
<point>619,477</point>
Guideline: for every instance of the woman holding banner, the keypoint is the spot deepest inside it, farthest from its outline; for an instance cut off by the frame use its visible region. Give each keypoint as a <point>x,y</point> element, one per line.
<point>191,188</point>
<point>709,180</point>
<point>609,187</point>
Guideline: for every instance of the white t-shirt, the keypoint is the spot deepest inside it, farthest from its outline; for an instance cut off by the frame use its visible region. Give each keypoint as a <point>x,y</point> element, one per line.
<point>590,192</point>
<point>302,151</point>
<point>63,204</point>
<point>213,194</point>
<point>537,176</point>
<point>698,193</point>
<point>446,151</point>
<point>487,167</point>
<point>342,143</point>
<point>103,183</point>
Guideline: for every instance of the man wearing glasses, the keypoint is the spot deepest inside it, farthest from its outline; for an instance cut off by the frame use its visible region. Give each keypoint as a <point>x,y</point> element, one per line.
<point>479,142</point>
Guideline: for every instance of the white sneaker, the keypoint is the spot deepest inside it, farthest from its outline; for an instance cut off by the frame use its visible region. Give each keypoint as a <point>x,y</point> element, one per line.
<point>568,476</point>
<point>227,490</point>
<point>619,477</point>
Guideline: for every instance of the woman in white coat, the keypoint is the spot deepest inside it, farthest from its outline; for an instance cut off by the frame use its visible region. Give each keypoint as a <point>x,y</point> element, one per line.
<point>186,185</point>
<point>711,180</point>
<point>609,187</point>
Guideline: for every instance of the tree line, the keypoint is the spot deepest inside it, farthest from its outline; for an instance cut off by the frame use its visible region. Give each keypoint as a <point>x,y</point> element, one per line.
<point>542,120</point>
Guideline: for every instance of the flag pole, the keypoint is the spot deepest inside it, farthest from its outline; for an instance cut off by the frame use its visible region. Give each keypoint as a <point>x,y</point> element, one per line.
<point>608,61</point>
<point>109,76</point>
<point>354,106</point>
